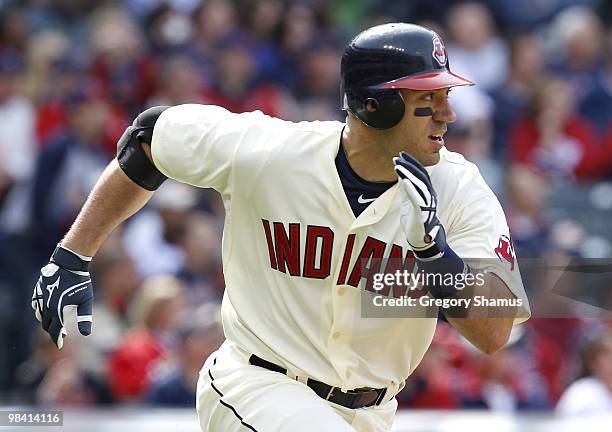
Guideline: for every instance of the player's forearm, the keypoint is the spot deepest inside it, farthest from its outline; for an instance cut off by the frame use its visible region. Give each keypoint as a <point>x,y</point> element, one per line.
<point>488,329</point>
<point>114,198</point>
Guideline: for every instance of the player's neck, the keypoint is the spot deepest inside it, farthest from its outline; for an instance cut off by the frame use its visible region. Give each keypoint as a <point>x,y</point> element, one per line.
<point>367,153</point>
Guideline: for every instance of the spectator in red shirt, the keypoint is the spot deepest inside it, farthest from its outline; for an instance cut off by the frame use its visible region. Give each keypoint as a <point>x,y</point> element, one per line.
<point>141,355</point>
<point>554,138</point>
<point>121,60</point>
<point>200,335</point>
<point>440,381</point>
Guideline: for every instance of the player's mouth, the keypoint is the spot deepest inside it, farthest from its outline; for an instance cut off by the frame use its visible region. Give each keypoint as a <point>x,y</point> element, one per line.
<point>437,139</point>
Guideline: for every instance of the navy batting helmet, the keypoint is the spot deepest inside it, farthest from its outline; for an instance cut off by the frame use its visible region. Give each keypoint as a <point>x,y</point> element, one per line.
<point>388,57</point>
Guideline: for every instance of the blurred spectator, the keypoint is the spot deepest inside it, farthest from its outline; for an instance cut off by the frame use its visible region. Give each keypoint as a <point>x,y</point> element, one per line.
<point>597,103</point>
<point>546,355</point>
<point>591,394</point>
<point>297,31</point>
<point>169,30</point>
<point>156,311</point>
<point>153,237</point>
<point>52,377</point>
<point>68,16</point>
<point>145,7</point>
<point>319,97</point>
<point>14,29</point>
<point>438,381</point>
<point>477,52</point>
<point>454,375</point>
<point>556,330</point>
<point>121,62</point>
<point>471,134</point>
<point>115,282</point>
<point>235,84</point>
<point>58,79</point>
<point>17,145</point>
<point>512,97</point>
<point>68,168</point>
<point>527,197</point>
<point>263,24</point>
<point>199,336</point>
<point>579,35</point>
<point>45,49</point>
<point>202,272</point>
<point>474,110</point>
<point>508,380</point>
<point>554,138</point>
<point>262,18</point>
<point>213,22</point>
<point>178,82</point>
<point>69,75</point>
<point>529,14</point>
<point>412,11</point>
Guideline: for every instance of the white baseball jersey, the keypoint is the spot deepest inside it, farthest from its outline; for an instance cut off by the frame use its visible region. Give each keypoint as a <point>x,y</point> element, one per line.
<point>291,243</point>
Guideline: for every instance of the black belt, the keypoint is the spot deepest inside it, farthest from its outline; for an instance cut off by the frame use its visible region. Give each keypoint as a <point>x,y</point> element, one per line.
<point>352,399</point>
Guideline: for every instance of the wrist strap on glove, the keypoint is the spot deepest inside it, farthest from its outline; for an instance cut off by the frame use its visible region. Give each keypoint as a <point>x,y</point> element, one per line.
<point>435,248</point>
<point>69,260</point>
<point>448,264</point>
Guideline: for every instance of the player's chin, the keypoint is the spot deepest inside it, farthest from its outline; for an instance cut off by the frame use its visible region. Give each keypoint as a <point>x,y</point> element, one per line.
<point>430,159</point>
<point>431,156</point>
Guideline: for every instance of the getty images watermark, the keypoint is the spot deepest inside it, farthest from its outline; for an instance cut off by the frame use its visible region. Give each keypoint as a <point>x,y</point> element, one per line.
<point>414,281</point>
<point>556,286</point>
<point>394,289</point>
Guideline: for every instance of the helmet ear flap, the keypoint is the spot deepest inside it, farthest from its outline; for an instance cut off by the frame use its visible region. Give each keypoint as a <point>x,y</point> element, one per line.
<point>380,109</point>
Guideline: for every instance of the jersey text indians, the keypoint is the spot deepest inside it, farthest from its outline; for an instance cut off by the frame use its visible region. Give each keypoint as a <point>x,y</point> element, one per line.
<point>285,245</point>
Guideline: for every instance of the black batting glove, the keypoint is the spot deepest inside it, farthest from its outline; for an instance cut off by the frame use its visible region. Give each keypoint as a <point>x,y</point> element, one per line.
<point>419,218</point>
<point>64,284</point>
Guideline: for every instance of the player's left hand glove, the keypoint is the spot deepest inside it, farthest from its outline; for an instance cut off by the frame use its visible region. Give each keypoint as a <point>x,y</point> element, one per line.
<point>419,219</point>
<point>64,283</point>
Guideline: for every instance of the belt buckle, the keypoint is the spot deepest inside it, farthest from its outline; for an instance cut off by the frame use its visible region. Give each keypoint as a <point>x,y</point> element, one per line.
<point>360,398</point>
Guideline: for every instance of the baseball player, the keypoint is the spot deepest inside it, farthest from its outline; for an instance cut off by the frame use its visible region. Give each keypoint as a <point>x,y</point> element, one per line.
<point>310,207</point>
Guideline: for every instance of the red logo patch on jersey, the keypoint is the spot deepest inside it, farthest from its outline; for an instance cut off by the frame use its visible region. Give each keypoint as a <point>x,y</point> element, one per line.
<point>439,52</point>
<point>505,250</point>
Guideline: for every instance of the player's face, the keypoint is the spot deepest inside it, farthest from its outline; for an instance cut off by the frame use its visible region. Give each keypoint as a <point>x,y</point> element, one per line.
<point>423,136</point>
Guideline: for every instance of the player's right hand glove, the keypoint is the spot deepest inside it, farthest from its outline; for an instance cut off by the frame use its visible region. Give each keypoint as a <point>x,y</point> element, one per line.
<point>419,218</point>
<point>64,284</point>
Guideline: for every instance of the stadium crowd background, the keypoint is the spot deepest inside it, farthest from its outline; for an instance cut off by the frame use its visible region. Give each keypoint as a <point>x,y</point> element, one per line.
<point>73,73</point>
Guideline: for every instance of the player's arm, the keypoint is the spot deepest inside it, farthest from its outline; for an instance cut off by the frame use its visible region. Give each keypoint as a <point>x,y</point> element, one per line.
<point>427,237</point>
<point>113,199</point>
<point>124,188</point>
<point>126,185</point>
<point>487,328</point>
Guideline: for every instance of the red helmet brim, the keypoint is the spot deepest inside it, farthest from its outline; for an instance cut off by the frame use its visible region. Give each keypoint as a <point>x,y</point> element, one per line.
<point>427,81</point>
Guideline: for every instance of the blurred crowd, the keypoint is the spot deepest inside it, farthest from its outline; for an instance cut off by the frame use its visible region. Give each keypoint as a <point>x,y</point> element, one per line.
<point>74,73</point>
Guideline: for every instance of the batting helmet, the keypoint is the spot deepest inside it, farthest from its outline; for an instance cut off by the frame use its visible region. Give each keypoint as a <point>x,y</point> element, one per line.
<point>388,57</point>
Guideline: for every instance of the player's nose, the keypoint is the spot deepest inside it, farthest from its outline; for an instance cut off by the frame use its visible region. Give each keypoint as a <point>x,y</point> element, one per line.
<point>444,113</point>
